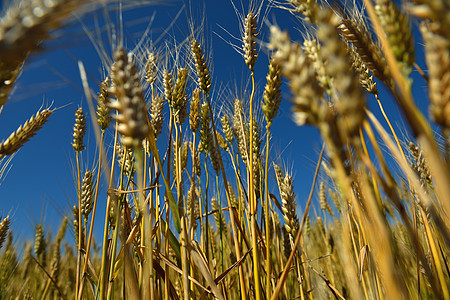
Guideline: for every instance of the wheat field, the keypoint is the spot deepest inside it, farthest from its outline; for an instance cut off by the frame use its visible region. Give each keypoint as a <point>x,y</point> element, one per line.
<point>197,204</point>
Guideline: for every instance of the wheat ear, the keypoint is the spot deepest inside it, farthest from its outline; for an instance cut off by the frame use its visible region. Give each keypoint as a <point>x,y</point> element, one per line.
<point>24,132</point>
<point>23,27</point>
<point>132,118</point>
<point>4,227</point>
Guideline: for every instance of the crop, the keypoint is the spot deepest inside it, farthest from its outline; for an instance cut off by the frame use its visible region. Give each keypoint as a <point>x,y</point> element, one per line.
<point>198,207</point>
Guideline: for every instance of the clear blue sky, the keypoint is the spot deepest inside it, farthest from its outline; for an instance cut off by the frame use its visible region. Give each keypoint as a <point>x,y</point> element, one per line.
<point>39,187</point>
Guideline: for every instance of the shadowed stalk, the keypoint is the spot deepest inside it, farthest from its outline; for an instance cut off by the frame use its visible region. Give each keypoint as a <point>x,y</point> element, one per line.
<point>205,200</point>
<point>418,123</point>
<point>252,200</point>
<point>184,233</point>
<point>103,279</point>
<point>79,131</point>
<point>118,204</point>
<point>220,225</point>
<point>267,211</point>
<point>166,234</point>
<point>390,126</point>
<point>250,56</point>
<point>201,70</point>
<point>94,209</point>
<point>133,124</point>
<point>287,267</point>
<point>272,99</point>
<point>232,219</point>
<point>435,255</point>
<point>146,231</point>
<point>80,228</point>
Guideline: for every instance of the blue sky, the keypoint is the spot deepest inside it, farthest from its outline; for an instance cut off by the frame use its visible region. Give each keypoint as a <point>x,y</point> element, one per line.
<point>39,187</point>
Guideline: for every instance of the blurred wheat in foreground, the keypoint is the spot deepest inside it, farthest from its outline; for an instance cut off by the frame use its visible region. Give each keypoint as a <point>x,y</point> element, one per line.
<point>181,224</point>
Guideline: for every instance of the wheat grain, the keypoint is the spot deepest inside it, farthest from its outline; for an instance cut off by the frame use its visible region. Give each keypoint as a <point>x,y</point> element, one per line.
<point>222,142</point>
<point>168,86</point>
<point>79,130</point>
<point>103,110</point>
<point>307,8</point>
<point>419,164</point>
<point>26,131</point>
<point>272,92</point>
<point>192,204</point>
<point>221,225</point>
<point>132,118</point>
<point>23,27</point>
<point>227,129</point>
<point>365,79</point>
<point>285,185</point>
<point>76,226</point>
<point>249,41</point>
<point>349,100</point>
<point>180,99</point>
<point>194,116</point>
<point>125,159</point>
<point>4,227</point>
<point>323,199</point>
<point>87,194</point>
<point>204,80</point>
<point>438,61</point>
<point>212,150</point>
<point>196,161</point>
<point>151,68</point>
<point>205,127</point>
<point>40,244</point>
<point>302,77</point>
<point>240,129</point>
<point>312,50</point>
<point>184,155</point>
<point>156,115</point>
<point>397,28</point>
<point>357,33</point>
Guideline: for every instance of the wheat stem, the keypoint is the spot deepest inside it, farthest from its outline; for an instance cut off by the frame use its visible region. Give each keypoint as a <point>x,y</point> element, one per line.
<point>243,289</point>
<point>80,226</point>
<point>103,271</point>
<point>287,267</point>
<point>119,204</point>
<point>94,209</point>
<point>252,199</point>
<point>266,210</point>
